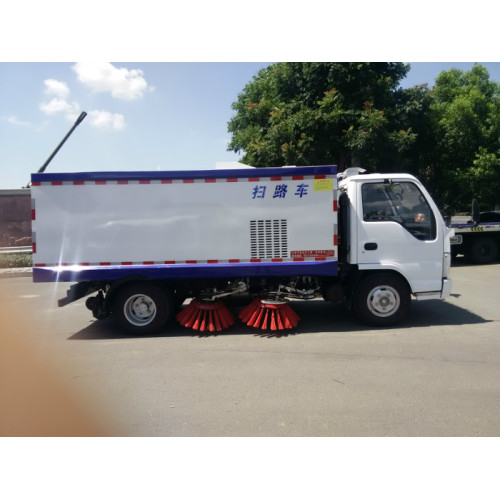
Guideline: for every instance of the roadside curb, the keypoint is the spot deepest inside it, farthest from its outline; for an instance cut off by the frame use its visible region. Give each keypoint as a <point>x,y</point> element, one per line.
<point>16,272</point>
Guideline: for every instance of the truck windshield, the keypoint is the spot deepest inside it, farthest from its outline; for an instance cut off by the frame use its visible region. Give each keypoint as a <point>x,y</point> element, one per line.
<point>400,202</point>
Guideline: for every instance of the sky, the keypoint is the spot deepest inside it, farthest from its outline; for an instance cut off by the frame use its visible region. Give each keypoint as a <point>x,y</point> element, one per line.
<point>140,116</point>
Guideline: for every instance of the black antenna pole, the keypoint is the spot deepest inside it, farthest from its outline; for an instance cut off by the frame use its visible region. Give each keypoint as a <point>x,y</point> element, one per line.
<point>49,159</point>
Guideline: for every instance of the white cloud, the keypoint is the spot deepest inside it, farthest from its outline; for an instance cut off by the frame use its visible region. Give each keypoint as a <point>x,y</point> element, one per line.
<point>121,83</point>
<point>57,88</point>
<point>14,120</point>
<point>106,120</point>
<point>58,105</point>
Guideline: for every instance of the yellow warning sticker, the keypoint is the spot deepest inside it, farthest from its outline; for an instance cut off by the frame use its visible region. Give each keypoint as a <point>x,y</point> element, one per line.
<point>323,184</point>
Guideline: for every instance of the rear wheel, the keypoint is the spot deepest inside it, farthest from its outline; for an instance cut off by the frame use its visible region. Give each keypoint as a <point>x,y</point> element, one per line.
<point>483,250</point>
<point>142,308</point>
<point>382,299</point>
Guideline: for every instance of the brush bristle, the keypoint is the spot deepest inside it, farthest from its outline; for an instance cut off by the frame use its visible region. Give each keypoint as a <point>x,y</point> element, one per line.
<point>205,316</point>
<point>267,314</point>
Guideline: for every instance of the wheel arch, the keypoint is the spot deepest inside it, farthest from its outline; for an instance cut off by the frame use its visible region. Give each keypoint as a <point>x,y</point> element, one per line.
<point>361,273</point>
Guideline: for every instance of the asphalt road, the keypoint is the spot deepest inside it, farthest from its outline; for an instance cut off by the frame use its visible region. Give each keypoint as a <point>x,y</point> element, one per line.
<point>436,375</point>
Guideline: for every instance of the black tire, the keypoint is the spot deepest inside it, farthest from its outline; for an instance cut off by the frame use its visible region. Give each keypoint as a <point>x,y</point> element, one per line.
<point>142,308</point>
<point>483,250</point>
<point>382,299</point>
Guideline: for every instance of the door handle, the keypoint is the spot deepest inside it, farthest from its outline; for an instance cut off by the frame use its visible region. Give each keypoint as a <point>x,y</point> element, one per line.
<point>371,246</point>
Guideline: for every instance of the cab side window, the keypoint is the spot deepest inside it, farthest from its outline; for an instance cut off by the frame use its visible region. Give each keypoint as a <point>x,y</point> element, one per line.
<point>400,202</point>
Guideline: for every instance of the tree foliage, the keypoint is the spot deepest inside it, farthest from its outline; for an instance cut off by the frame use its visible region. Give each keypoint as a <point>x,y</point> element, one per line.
<point>316,113</point>
<point>465,113</point>
<point>356,114</point>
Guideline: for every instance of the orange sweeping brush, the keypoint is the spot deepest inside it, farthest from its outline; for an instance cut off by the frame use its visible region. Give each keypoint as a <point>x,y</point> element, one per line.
<point>204,316</point>
<point>269,314</point>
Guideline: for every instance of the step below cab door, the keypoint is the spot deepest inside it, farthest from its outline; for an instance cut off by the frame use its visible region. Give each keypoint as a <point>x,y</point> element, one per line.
<point>400,229</point>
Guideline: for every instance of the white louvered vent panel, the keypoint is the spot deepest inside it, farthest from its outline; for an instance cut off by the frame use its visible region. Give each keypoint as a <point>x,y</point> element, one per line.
<point>268,238</point>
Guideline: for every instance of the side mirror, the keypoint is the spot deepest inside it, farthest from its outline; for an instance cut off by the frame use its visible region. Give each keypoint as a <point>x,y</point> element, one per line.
<point>475,211</point>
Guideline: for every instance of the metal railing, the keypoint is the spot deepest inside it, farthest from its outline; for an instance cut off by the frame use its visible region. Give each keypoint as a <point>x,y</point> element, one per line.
<point>27,249</point>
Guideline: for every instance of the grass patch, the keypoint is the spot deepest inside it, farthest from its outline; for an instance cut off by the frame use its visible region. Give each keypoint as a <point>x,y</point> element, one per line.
<point>11,260</point>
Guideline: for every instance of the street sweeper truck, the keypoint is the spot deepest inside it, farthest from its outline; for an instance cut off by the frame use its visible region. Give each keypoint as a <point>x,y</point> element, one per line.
<point>148,247</point>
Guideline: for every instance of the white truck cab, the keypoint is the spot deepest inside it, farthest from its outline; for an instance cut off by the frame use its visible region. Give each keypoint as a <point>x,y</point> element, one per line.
<point>397,241</point>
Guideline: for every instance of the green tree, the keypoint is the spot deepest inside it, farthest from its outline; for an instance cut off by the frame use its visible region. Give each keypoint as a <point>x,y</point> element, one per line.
<point>317,113</point>
<point>414,137</point>
<point>466,124</point>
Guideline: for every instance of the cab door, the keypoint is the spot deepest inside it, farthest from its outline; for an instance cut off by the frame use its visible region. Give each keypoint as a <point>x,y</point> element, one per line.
<point>398,230</point>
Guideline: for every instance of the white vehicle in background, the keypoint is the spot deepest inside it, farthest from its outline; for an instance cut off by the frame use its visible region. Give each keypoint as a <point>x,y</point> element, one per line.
<point>478,238</point>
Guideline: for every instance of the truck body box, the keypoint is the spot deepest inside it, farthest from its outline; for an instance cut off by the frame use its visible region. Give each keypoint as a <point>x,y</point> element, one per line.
<point>102,226</point>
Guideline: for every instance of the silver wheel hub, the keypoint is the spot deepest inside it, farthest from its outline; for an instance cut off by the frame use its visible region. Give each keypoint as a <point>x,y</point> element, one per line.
<point>139,310</point>
<point>383,301</point>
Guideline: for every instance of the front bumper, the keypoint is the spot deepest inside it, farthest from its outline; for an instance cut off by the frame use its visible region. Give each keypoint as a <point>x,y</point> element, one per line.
<point>443,294</point>
<point>446,290</point>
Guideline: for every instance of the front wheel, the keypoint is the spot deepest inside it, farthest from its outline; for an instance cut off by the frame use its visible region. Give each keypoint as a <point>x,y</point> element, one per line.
<point>382,299</point>
<point>142,308</point>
